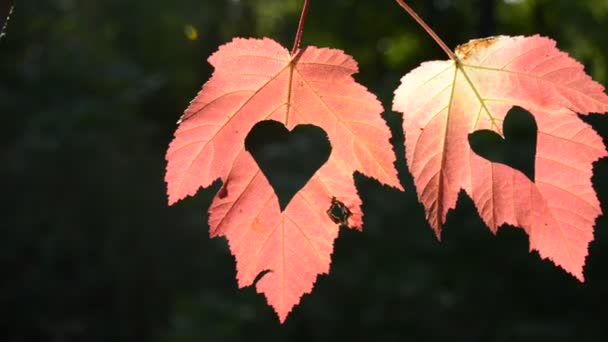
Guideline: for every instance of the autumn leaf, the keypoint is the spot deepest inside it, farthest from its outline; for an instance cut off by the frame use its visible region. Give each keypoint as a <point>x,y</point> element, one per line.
<point>443,102</point>
<point>255,80</point>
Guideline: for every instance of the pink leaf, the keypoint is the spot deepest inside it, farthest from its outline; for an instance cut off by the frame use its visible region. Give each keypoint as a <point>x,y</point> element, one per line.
<point>442,102</point>
<point>257,80</point>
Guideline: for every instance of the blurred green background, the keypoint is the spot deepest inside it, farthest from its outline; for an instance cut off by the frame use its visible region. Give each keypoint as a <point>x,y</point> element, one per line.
<point>89,251</point>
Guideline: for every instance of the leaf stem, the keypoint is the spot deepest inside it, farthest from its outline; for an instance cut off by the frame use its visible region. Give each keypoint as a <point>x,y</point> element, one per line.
<point>296,43</point>
<point>428,30</point>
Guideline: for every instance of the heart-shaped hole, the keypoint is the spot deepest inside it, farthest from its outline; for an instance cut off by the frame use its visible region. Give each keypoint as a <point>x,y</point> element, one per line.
<point>517,149</point>
<point>287,159</point>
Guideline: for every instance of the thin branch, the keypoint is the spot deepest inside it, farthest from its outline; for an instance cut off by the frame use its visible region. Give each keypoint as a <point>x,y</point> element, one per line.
<point>426,27</point>
<point>296,43</point>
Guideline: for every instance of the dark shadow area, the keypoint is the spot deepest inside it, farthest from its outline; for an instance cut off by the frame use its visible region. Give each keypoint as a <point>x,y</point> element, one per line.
<point>517,149</point>
<point>288,159</point>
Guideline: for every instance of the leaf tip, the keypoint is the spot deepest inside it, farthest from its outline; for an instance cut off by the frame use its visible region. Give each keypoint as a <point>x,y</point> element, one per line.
<point>437,232</point>
<point>171,199</point>
<point>576,273</point>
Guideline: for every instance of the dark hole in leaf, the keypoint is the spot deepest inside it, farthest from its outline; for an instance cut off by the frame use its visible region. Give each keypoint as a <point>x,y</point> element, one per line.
<point>260,276</point>
<point>287,159</point>
<point>223,190</point>
<point>338,212</point>
<point>517,149</point>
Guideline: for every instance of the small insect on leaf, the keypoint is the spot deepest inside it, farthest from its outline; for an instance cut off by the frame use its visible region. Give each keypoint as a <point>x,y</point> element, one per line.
<point>338,212</point>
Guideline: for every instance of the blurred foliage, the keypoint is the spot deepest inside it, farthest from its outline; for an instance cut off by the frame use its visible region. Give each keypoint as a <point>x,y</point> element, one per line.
<point>89,95</point>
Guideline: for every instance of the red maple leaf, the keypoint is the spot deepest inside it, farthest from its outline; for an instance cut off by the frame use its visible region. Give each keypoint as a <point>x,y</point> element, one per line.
<point>443,101</point>
<point>255,80</point>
